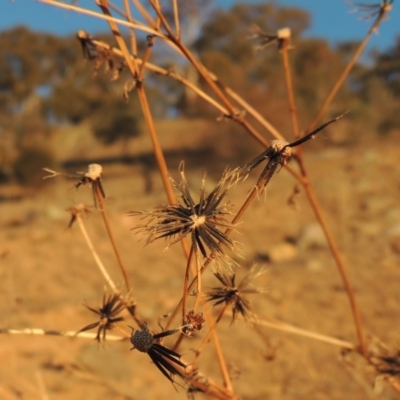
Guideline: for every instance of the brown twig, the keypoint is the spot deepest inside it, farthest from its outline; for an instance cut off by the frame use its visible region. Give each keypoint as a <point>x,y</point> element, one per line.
<point>100,200</point>
<point>381,16</point>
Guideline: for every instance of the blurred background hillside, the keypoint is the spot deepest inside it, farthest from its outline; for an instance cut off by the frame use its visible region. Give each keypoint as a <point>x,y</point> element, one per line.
<point>58,109</point>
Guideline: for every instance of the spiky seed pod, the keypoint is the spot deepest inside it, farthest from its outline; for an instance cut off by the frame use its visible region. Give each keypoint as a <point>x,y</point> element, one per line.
<point>108,313</point>
<point>166,360</point>
<point>232,294</point>
<point>203,221</point>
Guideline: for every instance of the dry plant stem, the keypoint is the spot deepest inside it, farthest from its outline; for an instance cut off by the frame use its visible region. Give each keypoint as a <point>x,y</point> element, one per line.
<point>100,200</point>
<point>339,262</point>
<point>41,386</point>
<point>142,10</point>
<point>167,73</point>
<point>230,111</point>
<point>133,68</point>
<point>157,150</point>
<point>199,67</point>
<point>289,86</point>
<point>284,327</point>
<point>212,389</point>
<point>104,17</point>
<point>228,231</point>
<point>132,35</point>
<point>145,58</point>
<point>176,19</point>
<point>218,350</point>
<point>395,383</point>
<point>146,110</point>
<point>314,203</point>
<point>185,284</point>
<point>147,52</point>
<point>102,269</point>
<point>72,334</point>
<point>346,71</point>
<point>209,333</point>
<point>100,265</point>
<point>255,114</point>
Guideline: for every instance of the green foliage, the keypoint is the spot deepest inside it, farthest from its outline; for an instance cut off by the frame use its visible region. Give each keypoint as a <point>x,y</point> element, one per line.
<point>29,163</point>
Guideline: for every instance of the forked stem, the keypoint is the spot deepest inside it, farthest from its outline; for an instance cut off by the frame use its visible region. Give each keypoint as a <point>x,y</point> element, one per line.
<point>100,201</point>
<point>340,264</point>
<point>96,257</point>
<point>381,16</point>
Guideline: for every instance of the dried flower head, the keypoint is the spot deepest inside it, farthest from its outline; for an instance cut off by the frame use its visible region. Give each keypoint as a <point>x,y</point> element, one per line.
<point>166,360</point>
<point>232,294</point>
<point>277,154</point>
<point>76,211</point>
<point>263,39</point>
<point>370,11</point>
<point>89,49</point>
<point>193,322</point>
<point>92,178</point>
<point>108,313</point>
<point>202,221</point>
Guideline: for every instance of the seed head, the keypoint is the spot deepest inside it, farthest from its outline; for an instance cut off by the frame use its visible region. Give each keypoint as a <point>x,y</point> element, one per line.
<point>232,294</point>
<point>166,360</point>
<point>203,221</point>
<point>108,313</point>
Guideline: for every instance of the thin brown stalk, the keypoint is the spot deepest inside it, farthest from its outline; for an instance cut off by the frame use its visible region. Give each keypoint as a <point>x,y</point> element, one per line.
<point>347,69</point>
<point>133,68</point>
<point>131,309</point>
<point>284,51</point>
<point>159,155</point>
<point>314,203</point>
<point>104,17</point>
<point>96,257</point>
<point>228,231</point>
<point>157,149</point>
<point>142,10</point>
<point>146,55</point>
<point>212,326</point>
<point>132,34</point>
<point>41,332</point>
<point>394,382</point>
<point>255,114</point>
<point>167,73</point>
<point>176,19</point>
<point>284,327</point>
<point>199,67</point>
<point>228,109</point>
<point>340,264</point>
<point>217,346</point>
<point>100,200</point>
<point>185,284</point>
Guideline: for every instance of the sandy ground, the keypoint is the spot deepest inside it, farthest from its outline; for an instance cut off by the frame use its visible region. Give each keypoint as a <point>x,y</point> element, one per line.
<point>47,274</point>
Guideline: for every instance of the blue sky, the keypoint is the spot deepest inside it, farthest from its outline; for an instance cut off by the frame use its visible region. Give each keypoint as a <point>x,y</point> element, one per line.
<point>330,19</point>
